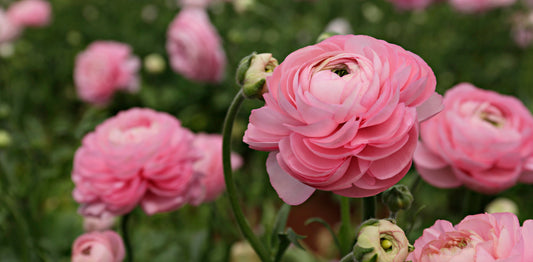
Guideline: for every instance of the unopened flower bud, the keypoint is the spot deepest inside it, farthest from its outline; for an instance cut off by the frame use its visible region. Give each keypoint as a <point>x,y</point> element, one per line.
<point>5,139</point>
<point>381,241</point>
<point>397,197</point>
<point>243,252</point>
<point>154,63</point>
<point>502,205</point>
<point>101,223</point>
<point>252,73</point>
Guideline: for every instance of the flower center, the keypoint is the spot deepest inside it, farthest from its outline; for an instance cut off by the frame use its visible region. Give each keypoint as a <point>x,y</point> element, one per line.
<point>386,244</point>
<point>340,71</point>
<point>485,112</point>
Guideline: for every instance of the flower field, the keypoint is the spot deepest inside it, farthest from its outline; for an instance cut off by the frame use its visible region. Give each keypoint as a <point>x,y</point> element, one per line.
<point>255,130</point>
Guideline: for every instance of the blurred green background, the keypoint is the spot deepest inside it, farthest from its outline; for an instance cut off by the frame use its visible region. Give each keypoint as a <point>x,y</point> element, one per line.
<point>46,121</point>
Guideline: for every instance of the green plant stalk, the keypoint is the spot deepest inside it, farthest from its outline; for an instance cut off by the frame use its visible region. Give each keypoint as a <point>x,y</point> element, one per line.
<point>346,233</point>
<point>230,184</point>
<point>369,207</point>
<point>348,258</point>
<point>126,237</point>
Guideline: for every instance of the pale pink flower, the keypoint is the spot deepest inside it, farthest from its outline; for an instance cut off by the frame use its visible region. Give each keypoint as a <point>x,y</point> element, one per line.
<point>140,156</point>
<point>342,116</point>
<point>98,247</point>
<point>412,4</point>
<point>8,30</point>
<point>103,68</point>
<point>195,3</point>
<point>473,6</point>
<point>30,13</point>
<point>98,223</point>
<point>477,238</point>
<point>194,47</point>
<point>522,30</point>
<point>209,166</point>
<point>482,140</point>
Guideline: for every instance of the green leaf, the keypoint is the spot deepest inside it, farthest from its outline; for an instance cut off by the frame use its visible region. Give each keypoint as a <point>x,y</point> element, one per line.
<point>280,223</point>
<point>293,237</point>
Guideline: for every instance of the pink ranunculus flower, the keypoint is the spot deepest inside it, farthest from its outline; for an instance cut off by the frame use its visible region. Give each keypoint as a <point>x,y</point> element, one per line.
<point>481,139</point>
<point>30,13</point>
<point>194,47</point>
<point>209,166</point>
<point>411,4</point>
<point>342,116</point>
<point>477,238</point>
<point>104,246</point>
<point>8,30</point>
<point>103,68</point>
<point>140,156</point>
<point>98,223</point>
<point>473,6</point>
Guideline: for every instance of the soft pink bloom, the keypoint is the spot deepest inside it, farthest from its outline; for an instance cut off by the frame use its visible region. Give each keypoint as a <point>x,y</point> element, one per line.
<point>472,6</point>
<point>194,47</point>
<point>477,238</point>
<point>209,166</point>
<point>195,3</point>
<point>98,247</point>
<point>8,30</point>
<point>138,156</point>
<point>522,30</point>
<point>481,139</point>
<point>412,4</point>
<point>30,13</point>
<point>342,116</point>
<point>103,68</point>
<point>98,223</point>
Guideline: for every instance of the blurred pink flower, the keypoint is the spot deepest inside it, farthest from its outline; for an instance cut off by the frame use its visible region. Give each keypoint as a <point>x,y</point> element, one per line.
<point>103,68</point>
<point>8,30</point>
<point>98,223</point>
<point>30,13</point>
<point>98,247</point>
<point>522,30</point>
<point>412,4</point>
<point>342,116</point>
<point>195,3</point>
<point>482,139</point>
<point>477,238</point>
<point>209,166</point>
<point>472,6</point>
<point>138,156</point>
<point>195,48</point>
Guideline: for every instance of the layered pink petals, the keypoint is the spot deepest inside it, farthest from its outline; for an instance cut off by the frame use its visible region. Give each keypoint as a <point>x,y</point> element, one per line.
<point>104,246</point>
<point>139,156</point>
<point>477,238</point>
<point>342,116</point>
<point>194,46</point>
<point>481,139</point>
<point>30,13</point>
<point>102,69</point>
<point>209,166</point>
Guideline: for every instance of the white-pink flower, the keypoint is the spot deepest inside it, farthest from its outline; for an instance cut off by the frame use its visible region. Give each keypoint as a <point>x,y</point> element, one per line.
<point>194,47</point>
<point>103,68</point>
<point>140,156</point>
<point>8,30</point>
<point>98,247</point>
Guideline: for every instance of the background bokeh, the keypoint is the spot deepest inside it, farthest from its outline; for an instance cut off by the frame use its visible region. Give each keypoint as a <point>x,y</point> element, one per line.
<point>46,121</point>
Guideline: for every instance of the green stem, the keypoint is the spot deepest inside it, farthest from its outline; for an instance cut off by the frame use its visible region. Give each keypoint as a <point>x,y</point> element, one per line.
<point>346,230</point>
<point>348,258</point>
<point>369,207</point>
<point>126,237</point>
<point>230,184</point>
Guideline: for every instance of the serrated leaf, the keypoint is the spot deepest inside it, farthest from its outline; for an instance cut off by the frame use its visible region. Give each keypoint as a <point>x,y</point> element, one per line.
<point>293,237</point>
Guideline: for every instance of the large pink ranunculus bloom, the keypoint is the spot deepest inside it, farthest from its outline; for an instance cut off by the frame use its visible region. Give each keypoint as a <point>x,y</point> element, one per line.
<point>481,139</point>
<point>194,47</point>
<point>103,68</point>
<point>473,6</point>
<point>138,156</point>
<point>477,238</point>
<point>209,166</point>
<point>412,4</point>
<point>30,13</point>
<point>104,246</point>
<point>342,116</point>
<point>8,30</point>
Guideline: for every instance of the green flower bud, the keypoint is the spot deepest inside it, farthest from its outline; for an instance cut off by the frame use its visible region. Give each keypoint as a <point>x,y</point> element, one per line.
<point>381,241</point>
<point>502,204</point>
<point>252,73</point>
<point>397,197</point>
